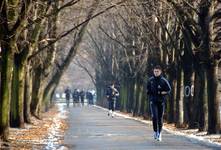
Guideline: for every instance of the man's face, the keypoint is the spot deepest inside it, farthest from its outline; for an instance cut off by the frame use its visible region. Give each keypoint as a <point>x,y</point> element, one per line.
<point>157,72</point>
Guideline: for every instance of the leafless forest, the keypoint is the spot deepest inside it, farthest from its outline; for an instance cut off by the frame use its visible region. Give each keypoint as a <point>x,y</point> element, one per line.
<point>48,45</point>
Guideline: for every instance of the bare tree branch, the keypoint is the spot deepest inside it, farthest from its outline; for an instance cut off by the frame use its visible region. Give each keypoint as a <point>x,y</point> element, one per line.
<point>77,62</point>
<point>76,27</point>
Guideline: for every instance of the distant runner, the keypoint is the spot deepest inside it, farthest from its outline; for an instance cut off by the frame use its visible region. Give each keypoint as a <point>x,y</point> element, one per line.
<point>111,94</point>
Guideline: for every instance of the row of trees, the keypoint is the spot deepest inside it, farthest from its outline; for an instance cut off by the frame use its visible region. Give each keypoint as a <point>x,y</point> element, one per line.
<point>38,40</point>
<point>181,35</point>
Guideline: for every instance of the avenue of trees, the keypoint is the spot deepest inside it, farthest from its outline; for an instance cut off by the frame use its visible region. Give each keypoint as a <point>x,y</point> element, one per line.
<point>183,36</point>
<point>125,39</point>
<point>38,40</point>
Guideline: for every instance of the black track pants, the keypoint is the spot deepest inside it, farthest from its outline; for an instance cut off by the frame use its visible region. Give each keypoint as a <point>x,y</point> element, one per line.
<point>111,104</point>
<point>157,111</point>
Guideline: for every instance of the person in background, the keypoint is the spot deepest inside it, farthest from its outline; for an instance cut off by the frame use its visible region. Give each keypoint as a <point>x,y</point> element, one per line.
<point>87,96</point>
<point>90,98</point>
<point>111,94</point>
<point>67,95</point>
<point>75,97</point>
<point>157,89</point>
<point>82,95</point>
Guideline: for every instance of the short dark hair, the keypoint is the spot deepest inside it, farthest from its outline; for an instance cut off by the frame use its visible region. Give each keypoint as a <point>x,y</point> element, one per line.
<point>157,67</point>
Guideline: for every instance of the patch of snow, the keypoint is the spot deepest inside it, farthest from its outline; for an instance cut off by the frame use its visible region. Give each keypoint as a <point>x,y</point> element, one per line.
<point>53,133</point>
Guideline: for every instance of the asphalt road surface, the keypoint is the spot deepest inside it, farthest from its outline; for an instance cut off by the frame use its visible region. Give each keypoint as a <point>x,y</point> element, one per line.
<point>91,129</point>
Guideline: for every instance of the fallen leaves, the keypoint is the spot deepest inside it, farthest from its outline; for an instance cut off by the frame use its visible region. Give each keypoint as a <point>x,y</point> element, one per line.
<point>41,133</point>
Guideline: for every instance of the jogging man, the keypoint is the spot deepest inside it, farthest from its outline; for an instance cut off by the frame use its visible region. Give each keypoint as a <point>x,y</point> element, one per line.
<point>157,89</point>
<point>111,95</point>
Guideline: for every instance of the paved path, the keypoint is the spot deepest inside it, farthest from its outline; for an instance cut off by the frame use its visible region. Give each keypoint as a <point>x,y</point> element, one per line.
<point>91,129</point>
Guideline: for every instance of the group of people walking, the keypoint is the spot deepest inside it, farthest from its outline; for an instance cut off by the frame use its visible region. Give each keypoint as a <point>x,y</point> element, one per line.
<point>157,89</point>
<point>78,96</point>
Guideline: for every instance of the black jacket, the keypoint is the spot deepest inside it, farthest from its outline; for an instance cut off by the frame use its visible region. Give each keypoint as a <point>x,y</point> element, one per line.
<point>155,86</point>
<point>112,94</point>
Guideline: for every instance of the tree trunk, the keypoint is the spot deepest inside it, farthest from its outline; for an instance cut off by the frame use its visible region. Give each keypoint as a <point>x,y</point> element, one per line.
<point>140,96</point>
<point>6,76</point>
<point>170,105</point>
<point>35,92</point>
<point>212,72</point>
<point>213,99</point>
<point>172,97</point>
<point>188,97</point>
<point>130,97</point>
<point>40,100</point>
<point>27,96</point>
<point>135,101</point>
<point>199,110</point>
<point>139,93</point>
<point>17,102</point>
<point>203,58</point>
<point>201,105</point>
<point>179,98</point>
<point>143,101</point>
<point>47,97</point>
<point>123,96</point>
<point>52,96</point>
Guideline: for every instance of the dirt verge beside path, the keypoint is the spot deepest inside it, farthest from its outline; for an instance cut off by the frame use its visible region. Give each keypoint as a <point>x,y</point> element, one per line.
<point>47,133</point>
